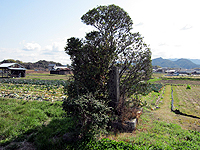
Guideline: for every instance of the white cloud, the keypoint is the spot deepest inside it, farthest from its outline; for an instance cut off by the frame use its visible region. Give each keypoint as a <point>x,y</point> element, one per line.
<point>22,42</point>
<point>32,47</point>
<point>186,27</point>
<point>48,47</point>
<point>57,45</point>
<point>33,52</point>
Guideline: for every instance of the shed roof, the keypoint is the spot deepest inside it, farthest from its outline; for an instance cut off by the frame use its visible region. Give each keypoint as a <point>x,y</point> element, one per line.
<point>17,68</point>
<point>10,66</point>
<point>5,65</point>
<point>61,68</point>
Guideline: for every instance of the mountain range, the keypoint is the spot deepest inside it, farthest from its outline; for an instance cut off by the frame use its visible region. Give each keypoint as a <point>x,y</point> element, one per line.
<point>176,63</point>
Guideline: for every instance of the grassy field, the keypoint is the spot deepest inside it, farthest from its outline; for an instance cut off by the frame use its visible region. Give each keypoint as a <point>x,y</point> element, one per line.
<point>41,125</point>
<point>187,100</point>
<point>45,75</point>
<point>25,124</point>
<point>33,124</point>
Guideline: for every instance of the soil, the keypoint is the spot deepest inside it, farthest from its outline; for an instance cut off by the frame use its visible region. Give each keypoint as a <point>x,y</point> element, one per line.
<point>40,71</point>
<point>178,82</point>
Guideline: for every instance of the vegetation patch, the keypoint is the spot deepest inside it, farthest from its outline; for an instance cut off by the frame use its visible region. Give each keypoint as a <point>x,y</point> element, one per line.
<point>154,98</point>
<point>41,90</point>
<point>187,101</point>
<point>41,123</point>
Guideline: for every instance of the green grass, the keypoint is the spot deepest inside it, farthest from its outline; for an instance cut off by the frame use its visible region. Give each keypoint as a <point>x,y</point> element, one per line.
<point>153,134</point>
<point>191,78</point>
<point>43,124</point>
<point>158,75</point>
<point>32,121</point>
<point>153,99</point>
<point>162,135</point>
<point>154,80</point>
<point>44,76</point>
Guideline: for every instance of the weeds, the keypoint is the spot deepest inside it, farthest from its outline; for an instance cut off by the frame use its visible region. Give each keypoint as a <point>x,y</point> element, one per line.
<point>188,87</point>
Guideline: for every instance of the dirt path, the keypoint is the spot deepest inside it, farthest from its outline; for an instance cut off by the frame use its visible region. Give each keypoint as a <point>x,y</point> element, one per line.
<point>165,114</point>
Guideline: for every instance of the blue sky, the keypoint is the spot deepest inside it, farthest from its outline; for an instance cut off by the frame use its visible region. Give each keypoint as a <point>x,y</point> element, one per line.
<point>32,30</point>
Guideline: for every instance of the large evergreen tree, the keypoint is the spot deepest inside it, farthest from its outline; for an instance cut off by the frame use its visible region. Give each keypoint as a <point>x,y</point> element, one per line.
<point>111,44</point>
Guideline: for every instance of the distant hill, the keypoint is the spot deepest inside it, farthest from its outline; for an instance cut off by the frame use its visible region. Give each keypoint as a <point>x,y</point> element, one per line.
<point>178,63</point>
<point>196,61</point>
<point>164,63</point>
<point>41,64</point>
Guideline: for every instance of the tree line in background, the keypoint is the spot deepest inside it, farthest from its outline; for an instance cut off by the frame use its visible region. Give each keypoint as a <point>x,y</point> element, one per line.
<point>40,65</point>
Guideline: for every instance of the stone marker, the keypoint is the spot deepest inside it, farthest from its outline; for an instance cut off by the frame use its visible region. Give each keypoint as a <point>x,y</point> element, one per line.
<point>113,86</point>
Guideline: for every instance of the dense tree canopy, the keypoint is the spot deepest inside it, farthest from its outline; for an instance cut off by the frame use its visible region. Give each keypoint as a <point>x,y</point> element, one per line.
<point>112,44</point>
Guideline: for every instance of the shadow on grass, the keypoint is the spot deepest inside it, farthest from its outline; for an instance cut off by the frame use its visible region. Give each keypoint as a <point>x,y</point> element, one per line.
<point>183,114</point>
<point>47,137</point>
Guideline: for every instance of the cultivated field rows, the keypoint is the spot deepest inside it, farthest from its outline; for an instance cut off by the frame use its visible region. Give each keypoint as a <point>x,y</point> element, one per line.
<point>187,100</point>
<point>32,92</point>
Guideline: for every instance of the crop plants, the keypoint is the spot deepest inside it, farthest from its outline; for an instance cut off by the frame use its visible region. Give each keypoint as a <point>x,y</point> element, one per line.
<point>41,90</point>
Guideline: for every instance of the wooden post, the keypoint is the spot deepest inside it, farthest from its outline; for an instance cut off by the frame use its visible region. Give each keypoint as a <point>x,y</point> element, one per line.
<point>7,72</point>
<point>113,86</point>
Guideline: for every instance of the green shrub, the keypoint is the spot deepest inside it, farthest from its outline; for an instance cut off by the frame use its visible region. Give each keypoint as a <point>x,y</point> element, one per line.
<point>107,144</point>
<point>90,114</point>
<point>188,87</point>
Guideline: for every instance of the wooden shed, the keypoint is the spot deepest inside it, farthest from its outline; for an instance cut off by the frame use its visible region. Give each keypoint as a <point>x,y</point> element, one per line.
<point>12,70</point>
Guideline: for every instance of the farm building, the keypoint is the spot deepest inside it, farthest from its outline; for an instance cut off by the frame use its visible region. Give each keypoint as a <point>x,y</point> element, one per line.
<point>186,71</point>
<point>51,66</point>
<point>62,70</point>
<point>12,70</point>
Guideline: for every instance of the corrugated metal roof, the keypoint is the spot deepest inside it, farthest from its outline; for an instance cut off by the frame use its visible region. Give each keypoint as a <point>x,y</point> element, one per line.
<point>7,65</point>
<point>10,66</point>
<point>17,68</point>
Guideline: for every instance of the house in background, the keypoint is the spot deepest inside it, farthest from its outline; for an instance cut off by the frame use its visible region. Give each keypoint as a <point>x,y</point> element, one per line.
<point>186,71</point>
<point>12,70</point>
<point>62,70</point>
<point>51,66</point>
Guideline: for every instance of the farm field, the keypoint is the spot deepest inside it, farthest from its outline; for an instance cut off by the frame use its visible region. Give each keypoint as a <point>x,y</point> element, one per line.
<point>27,122</point>
<point>178,82</point>
<point>41,90</point>
<point>41,125</point>
<point>187,100</point>
<point>164,113</point>
<point>44,75</point>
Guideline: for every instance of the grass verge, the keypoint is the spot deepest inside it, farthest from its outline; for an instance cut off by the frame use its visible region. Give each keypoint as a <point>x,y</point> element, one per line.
<point>40,123</point>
